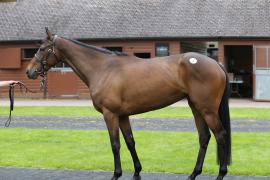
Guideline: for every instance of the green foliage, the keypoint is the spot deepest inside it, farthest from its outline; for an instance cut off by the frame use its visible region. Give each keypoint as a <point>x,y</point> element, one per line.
<point>174,152</point>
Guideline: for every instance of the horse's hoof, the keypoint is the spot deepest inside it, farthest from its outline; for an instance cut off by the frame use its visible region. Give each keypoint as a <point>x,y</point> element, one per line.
<point>220,178</point>
<point>190,178</point>
<point>116,175</point>
<point>136,177</point>
<point>114,178</point>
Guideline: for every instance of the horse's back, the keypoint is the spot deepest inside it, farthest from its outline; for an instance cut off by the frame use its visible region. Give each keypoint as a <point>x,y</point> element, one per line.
<point>135,85</point>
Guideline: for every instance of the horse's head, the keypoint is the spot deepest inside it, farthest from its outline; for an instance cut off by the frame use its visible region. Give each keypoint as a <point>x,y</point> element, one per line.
<point>46,57</point>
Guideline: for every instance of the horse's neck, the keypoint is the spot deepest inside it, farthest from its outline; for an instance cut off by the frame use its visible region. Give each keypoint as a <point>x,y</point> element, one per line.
<point>84,62</point>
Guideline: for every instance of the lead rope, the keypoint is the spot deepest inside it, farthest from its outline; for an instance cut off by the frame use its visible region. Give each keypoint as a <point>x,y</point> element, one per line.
<point>43,82</point>
<point>11,98</point>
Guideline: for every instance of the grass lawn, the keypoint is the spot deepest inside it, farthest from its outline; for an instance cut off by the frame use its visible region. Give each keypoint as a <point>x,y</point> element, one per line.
<point>168,112</point>
<point>159,151</point>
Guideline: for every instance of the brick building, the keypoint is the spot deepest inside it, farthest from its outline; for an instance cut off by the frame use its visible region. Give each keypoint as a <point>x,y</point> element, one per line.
<point>235,33</point>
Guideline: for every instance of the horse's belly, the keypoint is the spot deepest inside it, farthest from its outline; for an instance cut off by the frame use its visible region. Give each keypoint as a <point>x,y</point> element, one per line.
<point>150,100</point>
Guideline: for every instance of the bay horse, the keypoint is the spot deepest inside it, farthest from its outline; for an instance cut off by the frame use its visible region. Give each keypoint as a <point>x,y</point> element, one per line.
<point>122,85</point>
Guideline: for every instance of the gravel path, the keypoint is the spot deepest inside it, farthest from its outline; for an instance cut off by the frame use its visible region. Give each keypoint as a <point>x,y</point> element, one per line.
<point>151,124</point>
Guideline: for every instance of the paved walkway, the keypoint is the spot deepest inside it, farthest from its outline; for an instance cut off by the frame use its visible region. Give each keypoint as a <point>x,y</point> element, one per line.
<point>42,174</point>
<point>149,124</point>
<point>87,102</point>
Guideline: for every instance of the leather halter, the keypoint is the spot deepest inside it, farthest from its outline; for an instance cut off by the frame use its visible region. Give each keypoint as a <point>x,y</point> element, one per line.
<point>43,61</point>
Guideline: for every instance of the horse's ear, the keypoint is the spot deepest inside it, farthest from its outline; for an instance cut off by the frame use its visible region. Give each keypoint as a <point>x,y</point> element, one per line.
<point>49,34</point>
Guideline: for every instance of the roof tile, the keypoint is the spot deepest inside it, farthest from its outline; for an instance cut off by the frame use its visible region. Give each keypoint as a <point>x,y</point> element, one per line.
<point>102,19</point>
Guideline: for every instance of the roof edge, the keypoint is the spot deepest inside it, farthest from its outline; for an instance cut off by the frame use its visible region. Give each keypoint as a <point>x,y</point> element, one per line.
<point>153,38</point>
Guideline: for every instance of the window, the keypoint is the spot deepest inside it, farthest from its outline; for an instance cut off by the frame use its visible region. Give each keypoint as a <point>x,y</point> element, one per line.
<point>29,53</point>
<point>212,53</point>
<point>162,49</point>
<point>61,65</point>
<point>144,55</point>
<point>118,49</point>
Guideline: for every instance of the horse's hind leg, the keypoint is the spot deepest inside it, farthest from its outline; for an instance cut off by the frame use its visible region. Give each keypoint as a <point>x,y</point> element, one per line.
<point>128,136</point>
<point>213,122</point>
<point>209,111</point>
<point>204,137</point>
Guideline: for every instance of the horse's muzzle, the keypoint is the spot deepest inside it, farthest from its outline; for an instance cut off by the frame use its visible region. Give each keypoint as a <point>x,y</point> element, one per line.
<point>32,73</point>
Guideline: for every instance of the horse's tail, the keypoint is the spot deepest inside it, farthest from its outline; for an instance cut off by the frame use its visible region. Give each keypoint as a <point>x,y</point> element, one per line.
<point>224,115</point>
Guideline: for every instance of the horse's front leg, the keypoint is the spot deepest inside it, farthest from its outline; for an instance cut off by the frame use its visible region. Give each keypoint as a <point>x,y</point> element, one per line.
<point>112,122</point>
<point>128,136</point>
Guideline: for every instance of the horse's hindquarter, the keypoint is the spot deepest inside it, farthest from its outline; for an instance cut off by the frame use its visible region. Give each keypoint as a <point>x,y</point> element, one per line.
<point>205,79</point>
<point>143,86</point>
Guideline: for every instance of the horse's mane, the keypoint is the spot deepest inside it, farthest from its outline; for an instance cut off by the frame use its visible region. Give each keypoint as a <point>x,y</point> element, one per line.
<point>103,50</point>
